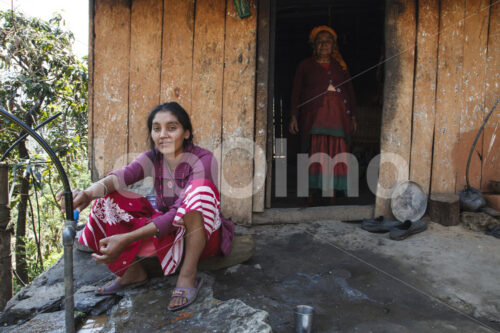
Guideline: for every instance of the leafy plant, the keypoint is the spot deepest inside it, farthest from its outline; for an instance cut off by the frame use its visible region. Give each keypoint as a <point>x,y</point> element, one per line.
<point>39,77</point>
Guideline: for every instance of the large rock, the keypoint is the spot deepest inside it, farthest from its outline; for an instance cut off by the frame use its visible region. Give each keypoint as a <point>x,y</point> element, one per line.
<point>30,301</point>
<point>88,302</point>
<point>38,307</point>
<point>145,310</point>
<point>46,292</point>
<point>53,322</point>
<point>243,249</point>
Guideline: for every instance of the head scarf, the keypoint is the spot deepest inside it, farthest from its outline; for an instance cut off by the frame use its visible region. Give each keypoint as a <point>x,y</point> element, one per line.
<point>317,30</point>
<point>336,54</point>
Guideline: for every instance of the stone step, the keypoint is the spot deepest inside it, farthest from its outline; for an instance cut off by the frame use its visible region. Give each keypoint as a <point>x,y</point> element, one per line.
<point>298,215</point>
<point>243,250</point>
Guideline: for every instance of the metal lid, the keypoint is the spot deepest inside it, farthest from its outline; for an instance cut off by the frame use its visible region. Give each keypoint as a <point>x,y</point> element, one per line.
<point>408,201</point>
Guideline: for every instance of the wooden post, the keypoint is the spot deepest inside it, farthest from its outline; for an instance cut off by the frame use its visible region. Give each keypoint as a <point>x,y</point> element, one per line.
<point>144,71</point>
<point>449,96</point>
<point>474,78</point>
<point>261,98</point>
<point>491,142</point>
<point>238,97</point>
<point>395,140</point>
<point>110,130</point>
<point>424,93</point>
<point>5,254</point>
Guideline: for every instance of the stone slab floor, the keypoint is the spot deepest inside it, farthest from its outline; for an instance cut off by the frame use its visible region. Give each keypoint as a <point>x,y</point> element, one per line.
<point>442,280</point>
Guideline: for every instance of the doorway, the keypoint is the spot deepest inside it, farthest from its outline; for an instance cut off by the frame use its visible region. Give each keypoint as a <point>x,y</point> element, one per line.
<point>359,25</point>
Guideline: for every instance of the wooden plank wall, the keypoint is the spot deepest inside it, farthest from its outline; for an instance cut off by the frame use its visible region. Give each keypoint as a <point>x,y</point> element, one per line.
<point>449,99</point>
<point>198,53</point>
<point>238,127</point>
<point>400,33</point>
<point>467,52</point>
<point>177,52</point>
<point>111,85</point>
<point>456,83</point>
<point>208,71</point>
<point>261,100</point>
<point>474,75</point>
<point>202,55</point>
<point>145,66</point>
<point>425,92</point>
<point>491,143</point>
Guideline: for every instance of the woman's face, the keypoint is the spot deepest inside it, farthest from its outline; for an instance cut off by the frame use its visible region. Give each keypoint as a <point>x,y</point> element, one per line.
<point>324,44</point>
<point>168,134</point>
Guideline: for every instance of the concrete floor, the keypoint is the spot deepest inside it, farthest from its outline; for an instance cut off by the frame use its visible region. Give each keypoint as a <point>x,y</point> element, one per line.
<point>445,279</point>
<point>442,280</point>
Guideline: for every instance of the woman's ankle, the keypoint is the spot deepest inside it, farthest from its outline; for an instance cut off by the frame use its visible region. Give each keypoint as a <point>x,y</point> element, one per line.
<point>134,273</point>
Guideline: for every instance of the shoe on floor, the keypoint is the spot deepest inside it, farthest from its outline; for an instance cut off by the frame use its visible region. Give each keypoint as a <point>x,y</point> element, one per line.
<point>406,229</point>
<point>379,224</point>
<point>493,231</point>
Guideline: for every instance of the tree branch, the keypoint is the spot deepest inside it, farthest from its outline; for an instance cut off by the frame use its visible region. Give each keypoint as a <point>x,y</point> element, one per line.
<point>40,259</point>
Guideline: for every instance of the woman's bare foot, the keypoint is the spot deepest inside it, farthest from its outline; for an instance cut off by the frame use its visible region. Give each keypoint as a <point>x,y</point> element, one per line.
<point>134,274</point>
<point>186,281</point>
<point>195,241</point>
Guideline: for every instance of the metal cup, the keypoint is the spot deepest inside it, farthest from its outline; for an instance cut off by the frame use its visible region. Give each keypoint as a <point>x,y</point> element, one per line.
<point>303,318</point>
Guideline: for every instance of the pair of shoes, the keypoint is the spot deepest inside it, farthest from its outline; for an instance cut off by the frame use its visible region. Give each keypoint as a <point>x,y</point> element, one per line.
<point>188,293</point>
<point>113,287</point>
<point>493,231</point>
<point>379,225</point>
<point>406,229</point>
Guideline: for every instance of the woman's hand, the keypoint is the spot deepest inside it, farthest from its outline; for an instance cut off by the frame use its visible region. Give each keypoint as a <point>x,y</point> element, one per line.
<point>81,199</point>
<point>111,248</point>
<point>294,125</point>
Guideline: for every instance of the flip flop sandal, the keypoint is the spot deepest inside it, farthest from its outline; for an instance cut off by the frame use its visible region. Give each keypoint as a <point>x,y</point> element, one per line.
<point>113,287</point>
<point>188,293</point>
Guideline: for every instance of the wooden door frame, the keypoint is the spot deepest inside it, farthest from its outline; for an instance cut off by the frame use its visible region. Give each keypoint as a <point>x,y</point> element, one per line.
<point>264,92</point>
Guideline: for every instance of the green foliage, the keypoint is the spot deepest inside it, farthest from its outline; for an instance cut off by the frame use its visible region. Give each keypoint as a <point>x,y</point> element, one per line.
<point>39,77</point>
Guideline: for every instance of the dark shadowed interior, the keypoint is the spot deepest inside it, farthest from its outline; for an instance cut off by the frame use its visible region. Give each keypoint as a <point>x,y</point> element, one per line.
<point>359,25</point>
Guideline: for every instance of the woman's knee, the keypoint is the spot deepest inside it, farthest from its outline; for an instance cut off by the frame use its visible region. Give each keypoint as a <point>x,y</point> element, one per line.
<point>193,220</point>
<point>202,183</point>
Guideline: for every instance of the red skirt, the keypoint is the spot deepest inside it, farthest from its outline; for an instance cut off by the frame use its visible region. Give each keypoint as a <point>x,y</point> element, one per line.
<point>122,212</point>
<point>325,167</point>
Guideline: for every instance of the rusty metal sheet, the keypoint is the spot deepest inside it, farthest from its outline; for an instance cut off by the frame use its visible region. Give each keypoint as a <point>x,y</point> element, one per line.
<point>236,182</point>
<point>145,64</point>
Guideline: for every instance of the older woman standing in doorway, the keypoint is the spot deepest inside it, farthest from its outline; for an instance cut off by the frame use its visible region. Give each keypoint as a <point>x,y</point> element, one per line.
<point>323,112</point>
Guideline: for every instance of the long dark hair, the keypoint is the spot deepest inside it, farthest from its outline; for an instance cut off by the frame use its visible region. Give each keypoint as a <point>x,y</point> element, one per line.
<point>181,115</point>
